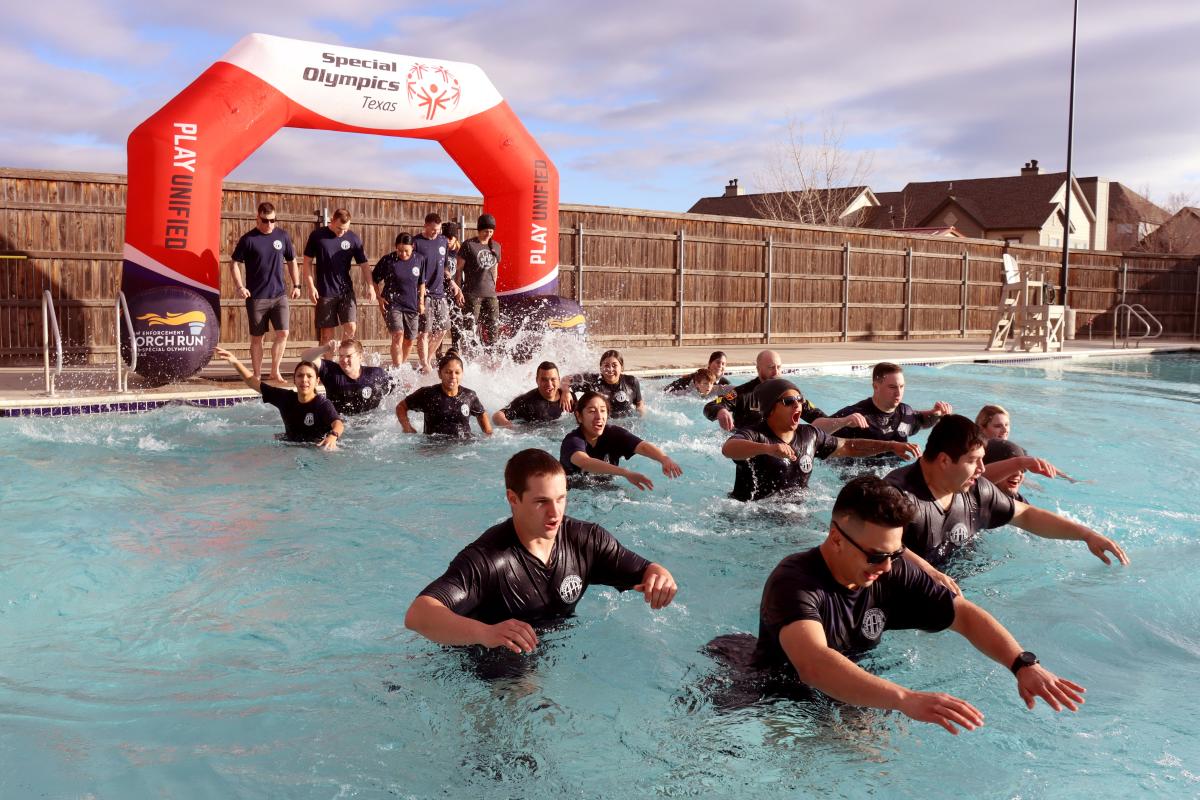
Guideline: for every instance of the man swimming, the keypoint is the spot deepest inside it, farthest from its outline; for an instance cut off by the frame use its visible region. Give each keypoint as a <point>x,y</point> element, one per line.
<point>531,569</point>
<point>543,403</point>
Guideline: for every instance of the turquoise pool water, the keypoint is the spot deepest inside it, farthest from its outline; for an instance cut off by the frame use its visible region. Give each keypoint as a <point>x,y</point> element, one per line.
<point>189,609</point>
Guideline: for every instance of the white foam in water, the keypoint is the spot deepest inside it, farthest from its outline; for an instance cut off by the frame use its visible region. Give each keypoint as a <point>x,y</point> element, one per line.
<point>149,442</point>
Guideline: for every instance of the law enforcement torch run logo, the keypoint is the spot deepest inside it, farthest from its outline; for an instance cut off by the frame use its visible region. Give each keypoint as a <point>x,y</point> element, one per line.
<point>570,589</point>
<point>873,623</point>
<point>175,329</point>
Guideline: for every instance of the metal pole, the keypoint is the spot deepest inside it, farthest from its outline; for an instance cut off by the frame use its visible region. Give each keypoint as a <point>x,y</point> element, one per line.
<point>679,293</point>
<point>846,292</point>
<point>579,265</point>
<point>1066,253</point>
<point>46,346</point>
<point>1124,279</point>
<point>1196,307</point>
<point>117,339</point>
<point>963,319</point>
<point>908,270</point>
<point>769,294</point>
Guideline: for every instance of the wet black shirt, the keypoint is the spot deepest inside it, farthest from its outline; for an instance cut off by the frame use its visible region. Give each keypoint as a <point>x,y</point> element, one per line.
<point>532,407</point>
<point>447,415</point>
<point>302,422</point>
<point>744,407</point>
<point>354,396</point>
<point>895,426</point>
<point>765,475</point>
<point>802,588</point>
<point>611,446</point>
<point>685,385</point>
<point>935,534</point>
<point>495,578</point>
<point>623,396</point>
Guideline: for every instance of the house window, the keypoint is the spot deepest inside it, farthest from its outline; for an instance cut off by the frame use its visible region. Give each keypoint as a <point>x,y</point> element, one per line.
<point>1012,239</point>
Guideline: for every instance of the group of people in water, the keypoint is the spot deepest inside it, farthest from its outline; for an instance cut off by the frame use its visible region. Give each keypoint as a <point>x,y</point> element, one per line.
<point>880,567</point>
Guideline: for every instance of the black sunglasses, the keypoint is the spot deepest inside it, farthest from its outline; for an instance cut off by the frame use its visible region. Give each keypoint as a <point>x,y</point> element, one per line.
<point>872,558</point>
<point>266,219</point>
<point>791,400</point>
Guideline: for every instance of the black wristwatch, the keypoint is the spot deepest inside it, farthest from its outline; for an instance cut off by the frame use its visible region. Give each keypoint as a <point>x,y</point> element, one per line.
<point>1023,659</point>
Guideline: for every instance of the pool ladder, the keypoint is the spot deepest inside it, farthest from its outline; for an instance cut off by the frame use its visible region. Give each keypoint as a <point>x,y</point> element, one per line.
<point>50,324</point>
<point>121,307</point>
<point>1139,312</point>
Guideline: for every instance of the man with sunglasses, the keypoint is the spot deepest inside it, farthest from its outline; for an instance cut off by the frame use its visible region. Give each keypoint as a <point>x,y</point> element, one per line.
<point>263,250</point>
<point>779,453</point>
<point>825,608</point>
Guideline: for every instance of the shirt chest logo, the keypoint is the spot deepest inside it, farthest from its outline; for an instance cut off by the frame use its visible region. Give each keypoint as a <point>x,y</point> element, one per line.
<point>441,251</point>
<point>570,589</point>
<point>805,463</point>
<point>366,393</point>
<point>904,429</point>
<point>621,397</point>
<point>960,533</point>
<point>278,245</point>
<point>873,623</point>
<point>465,409</point>
<point>309,419</point>
<point>416,271</point>
<point>345,245</point>
<point>486,259</point>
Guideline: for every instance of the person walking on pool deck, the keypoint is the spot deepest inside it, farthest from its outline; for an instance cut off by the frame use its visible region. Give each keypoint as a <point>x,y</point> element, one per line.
<point>597,447</point>
<point>307,416</point>
<point>334,247</point>
<point>264,250</point>
<point>478,261</point>
<point>954,502</point>
<point>350,386</point>
<point>886,414</point>
<point>448,406</point>
<point>400,277</point>
<point>779,454</point>
<point>435,319</point>
<point>531,569</point>
<point>540,404</point>
<point>824,608</point>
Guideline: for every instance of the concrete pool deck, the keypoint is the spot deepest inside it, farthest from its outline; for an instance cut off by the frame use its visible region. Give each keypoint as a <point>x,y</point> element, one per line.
<point>91,389</point>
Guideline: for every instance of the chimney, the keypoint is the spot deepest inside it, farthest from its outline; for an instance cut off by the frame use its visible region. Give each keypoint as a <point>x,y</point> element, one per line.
<point>732,189</point>
<point>1031,168</point>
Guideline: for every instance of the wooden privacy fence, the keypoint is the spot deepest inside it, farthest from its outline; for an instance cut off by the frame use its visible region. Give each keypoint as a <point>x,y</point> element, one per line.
<point>644,278</point>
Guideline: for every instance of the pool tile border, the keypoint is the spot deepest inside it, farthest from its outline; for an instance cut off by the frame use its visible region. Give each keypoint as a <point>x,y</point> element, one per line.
<point>120,406</point>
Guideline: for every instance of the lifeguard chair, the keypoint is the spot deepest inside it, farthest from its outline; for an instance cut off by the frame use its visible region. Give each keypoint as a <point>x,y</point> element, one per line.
<point>1025,317</point>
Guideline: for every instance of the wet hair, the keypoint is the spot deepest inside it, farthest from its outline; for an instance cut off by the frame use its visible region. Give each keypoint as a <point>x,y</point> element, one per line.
<point>607,354</point>
<point>404,238</point>
<point>987,413</point>
<point>1001,449</point>
<point>451,355</point>
<point>433,218</point>
<point>529,464</point>
<point>340,215</point>
<point>715,355</point>
<point>449,229</point>
<point>355,343</point>
<point>954,435</point>
<point>265,208</point>
<point>547,365</point>
<point>883,369</point>
<point>586,398</point>
<point>872,499</point>
<point>703,374</point>
<point>310,365</point>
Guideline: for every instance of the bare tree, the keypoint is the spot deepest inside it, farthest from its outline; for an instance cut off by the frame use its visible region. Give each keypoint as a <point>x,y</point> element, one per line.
<point>812,181</point>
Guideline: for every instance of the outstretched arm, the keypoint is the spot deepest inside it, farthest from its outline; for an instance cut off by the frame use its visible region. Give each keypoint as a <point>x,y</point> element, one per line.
<point>250,379</point>
<point>933,572</point>
<point>657,586</point>
<point>669,467</point>
<point>1049,525</point>
<point>832,425</point>
<point>589,464</point>
<point>857,448</point>
<point>315,354</point>
<point>430,618</point>
<point>999,470</point>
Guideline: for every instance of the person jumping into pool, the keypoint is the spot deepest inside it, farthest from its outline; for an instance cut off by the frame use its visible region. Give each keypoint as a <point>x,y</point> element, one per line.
<point>623,392</point>
<point>400,278</point>
<point>530,570</point>
<point>543,403</point>
<point>597,447</point>
<point>886,414</point>
<point>307,416</point>
<point>700,382</point>
<point>448,406</point>
<point>738,407</point>
<point>779,453</point>
<point>351,387</point>
<point>824,608</point>
<point>335,247</point>
<point>954,502</point>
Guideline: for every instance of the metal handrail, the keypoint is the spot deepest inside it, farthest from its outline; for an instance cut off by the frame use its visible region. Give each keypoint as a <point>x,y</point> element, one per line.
<point>121,307</point>
<point>1141,314</point>
<point>48,317</point>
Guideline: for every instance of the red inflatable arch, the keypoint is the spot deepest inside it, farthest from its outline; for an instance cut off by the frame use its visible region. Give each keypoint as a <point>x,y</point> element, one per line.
<point>179,156</point>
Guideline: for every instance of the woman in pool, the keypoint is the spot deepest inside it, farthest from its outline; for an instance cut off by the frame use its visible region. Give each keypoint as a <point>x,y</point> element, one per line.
<point>623,392</point>
<point>307,416</point>
<point>595,446</point>
<point>1005,467</point>
<point>994,421</point>
<point>716,365</point>
<point>448,407</point>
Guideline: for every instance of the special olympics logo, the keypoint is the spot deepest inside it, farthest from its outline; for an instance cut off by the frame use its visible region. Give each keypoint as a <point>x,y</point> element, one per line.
<point>432,89</point>
<point>873,623</point>
<point>570,589</point>
<point>960,533</point>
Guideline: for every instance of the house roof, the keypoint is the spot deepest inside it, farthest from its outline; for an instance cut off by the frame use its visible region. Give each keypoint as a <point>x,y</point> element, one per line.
<point>1126,205</point>
<point>752,205</point>
<point>1179,234</point>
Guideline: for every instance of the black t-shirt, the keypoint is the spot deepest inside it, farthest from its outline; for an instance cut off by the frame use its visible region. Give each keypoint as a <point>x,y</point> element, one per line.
<point>894,426</point>
<point>623,396</point>
<point>745,410</point>
<point>532,407</point>
<point>495,578</point>
<point>402,279</point>
<point>264,254</point>
<point>612,445</point>
<point>450,416</point>
<point>765,475</point>
<point>935,534</point>
<point>333,255</point>
<point>684,384</point>
<point>302,422</point>
<point>354,396</point>
<point>434,250</point>
<point>479,267</point>
<point>802,588</point>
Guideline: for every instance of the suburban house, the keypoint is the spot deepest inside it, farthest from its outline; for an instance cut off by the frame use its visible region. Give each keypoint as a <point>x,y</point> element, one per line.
<point>840,206</point>
<point>1179,234</point>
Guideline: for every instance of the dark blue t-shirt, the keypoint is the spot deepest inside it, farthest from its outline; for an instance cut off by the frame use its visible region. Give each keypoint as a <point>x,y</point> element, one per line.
<point>264,254</point>
<point>435,251</point>
<point>351,396</point>
<point>401,280</point>
<point>612,445</point>
<point>302,422</point>
<point>890,426</point>
<point>333,255</point>
<point>446,415</point>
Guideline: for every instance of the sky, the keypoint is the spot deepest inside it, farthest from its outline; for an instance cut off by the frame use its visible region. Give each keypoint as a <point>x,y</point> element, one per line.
<point>655,104</point>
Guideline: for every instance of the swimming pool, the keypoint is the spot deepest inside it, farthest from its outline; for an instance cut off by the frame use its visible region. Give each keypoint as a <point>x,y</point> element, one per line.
<point>188,609</point>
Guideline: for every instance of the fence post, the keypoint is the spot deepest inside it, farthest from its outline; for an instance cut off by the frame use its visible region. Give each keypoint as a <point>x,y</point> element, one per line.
<point>1196,306</point>
<point>963,319</point>
<point>679,256</point>
<point>908,270</point>
<point>1124,279</point>
<point>846,292</point>
<point>579,265</point>
<point>770,251</point>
